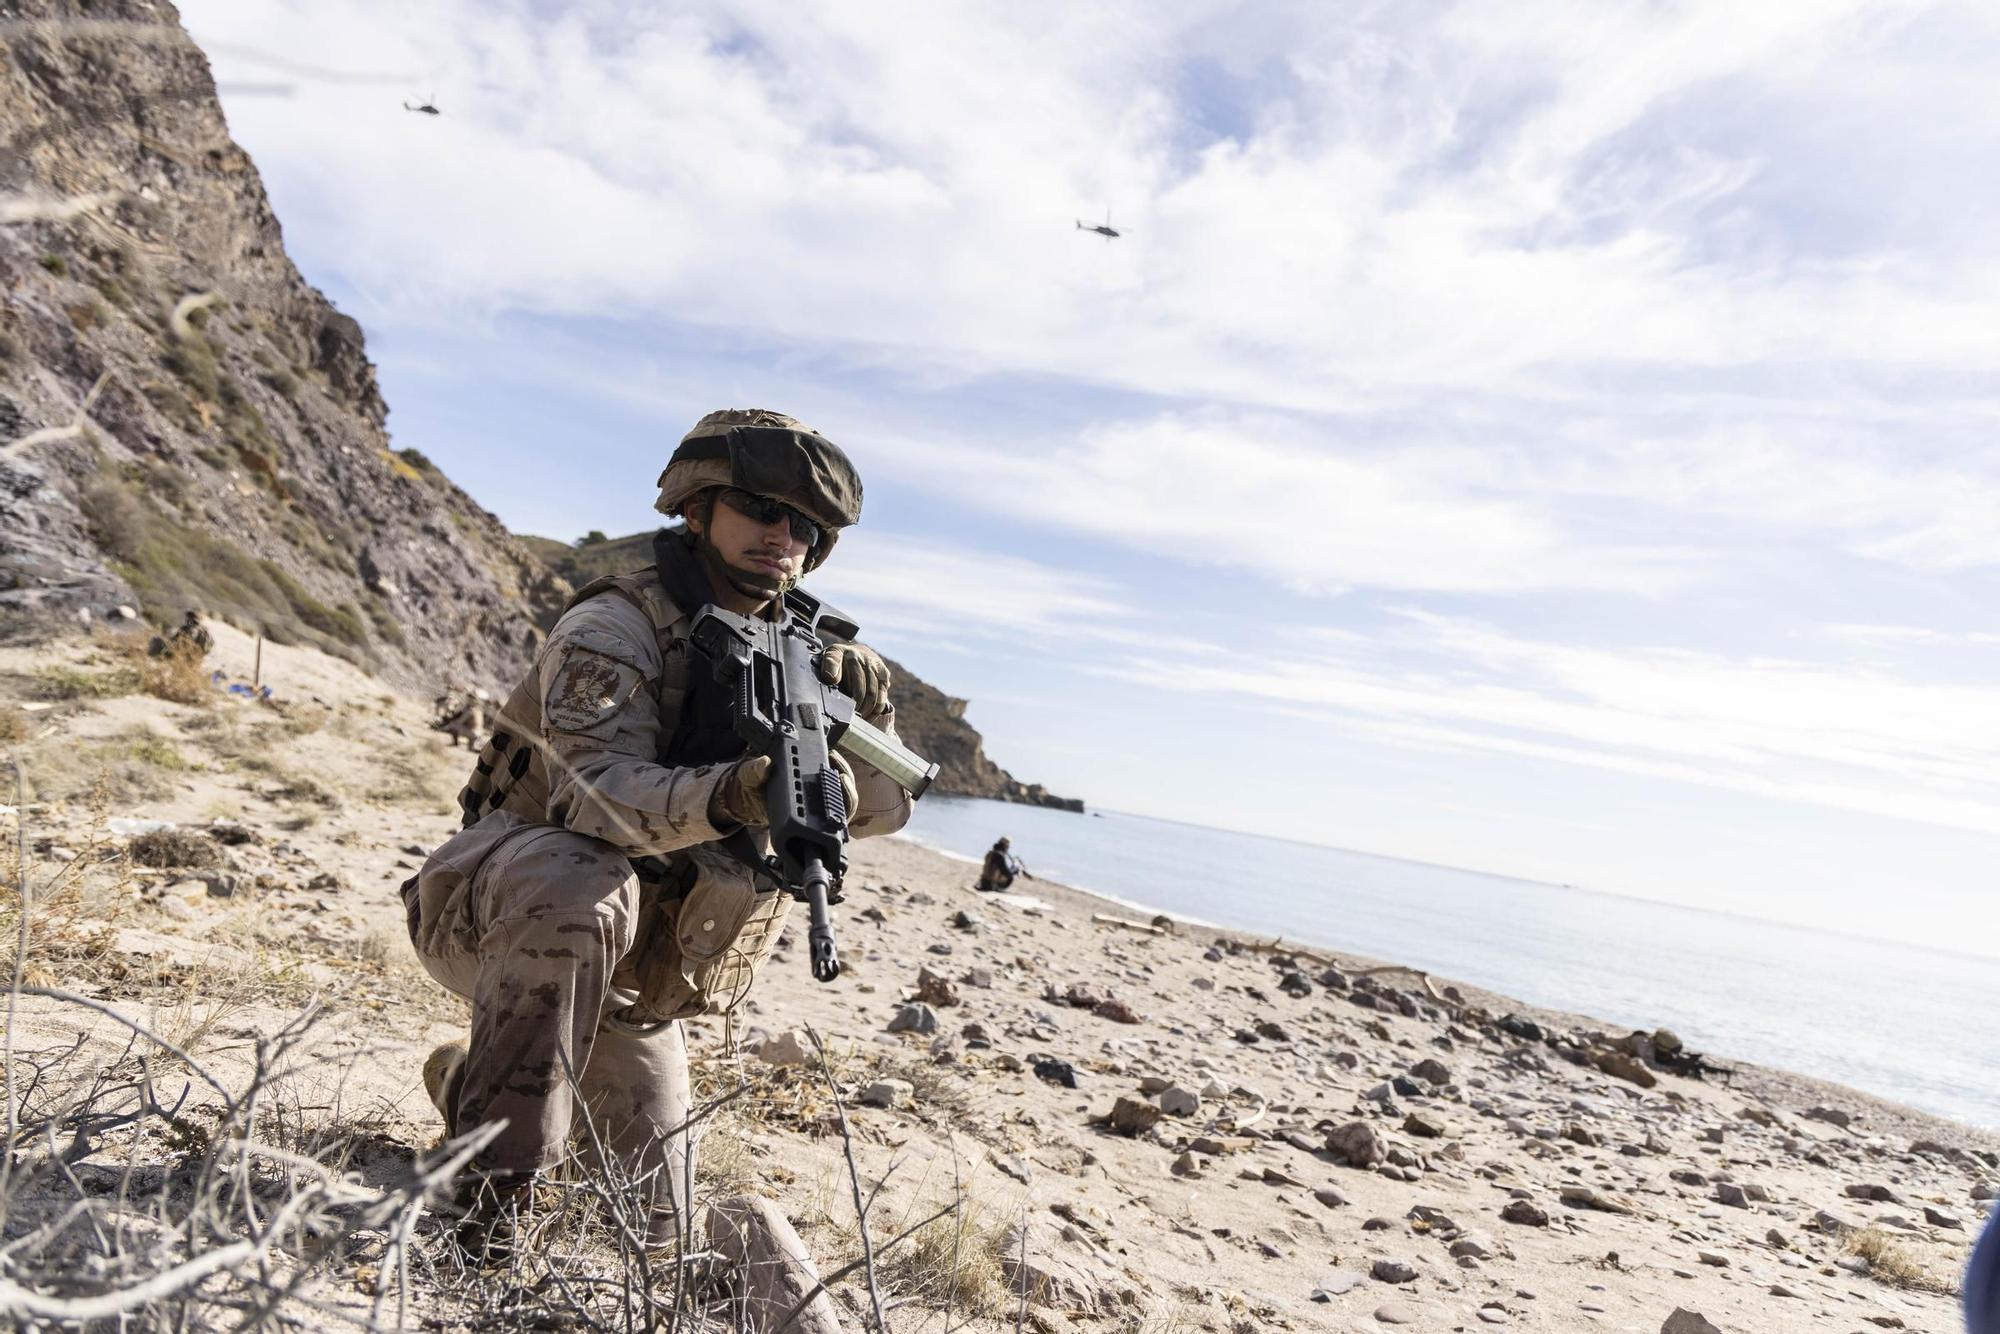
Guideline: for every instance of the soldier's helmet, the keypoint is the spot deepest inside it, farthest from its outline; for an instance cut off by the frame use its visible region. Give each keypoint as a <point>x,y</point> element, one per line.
<point>773,455</point>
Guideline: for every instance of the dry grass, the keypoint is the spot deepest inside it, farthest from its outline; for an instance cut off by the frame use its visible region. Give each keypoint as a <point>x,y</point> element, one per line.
<point>178,675</point>
<point>142,745</point>
<point>174,848</point>
<point>13,724</point>
<point>65,683</point>
<point>952,1261</point>
<point>1900,1264</point>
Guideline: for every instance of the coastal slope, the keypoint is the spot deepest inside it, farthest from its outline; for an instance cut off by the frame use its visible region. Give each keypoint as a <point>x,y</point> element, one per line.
<point>187,422</point>
<point>1148,1125</point>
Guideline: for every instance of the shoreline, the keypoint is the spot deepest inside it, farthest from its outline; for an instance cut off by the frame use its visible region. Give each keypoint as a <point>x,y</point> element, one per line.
<point>1766,1081</point>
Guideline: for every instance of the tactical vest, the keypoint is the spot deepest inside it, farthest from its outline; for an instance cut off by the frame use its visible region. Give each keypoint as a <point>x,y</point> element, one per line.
<point>704,926</point>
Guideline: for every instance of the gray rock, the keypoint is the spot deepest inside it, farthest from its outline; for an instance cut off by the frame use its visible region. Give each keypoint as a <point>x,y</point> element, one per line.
<point>1178,1101</point>
<point>1579,1196</point>
<point>1431,1071</point>
<point>1524,1213</point>
<point>787,1048</point>
<point>1474,1245</point>
<point>1396,1313</point>
<point>1873,1191</point>
<point>1684,1321</point>
<point>1831,1115</point>
<point>914,1018</point>
<point>1357,1144</point>
<point>1393,1271</point>
<point>1336,1284</point>
<point>1330,1197</point>
<point>1832,1224</point>
<point>1134,1116</point>
<point>1731,1194</point>
<point>888,1093</point>
<point>1426,1126</point>
<point>1939,1218</point>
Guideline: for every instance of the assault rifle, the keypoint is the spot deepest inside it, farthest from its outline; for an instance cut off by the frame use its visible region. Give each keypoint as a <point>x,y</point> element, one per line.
<point>782,709</point>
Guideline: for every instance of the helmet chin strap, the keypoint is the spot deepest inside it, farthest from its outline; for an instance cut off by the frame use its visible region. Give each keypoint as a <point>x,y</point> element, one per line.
<point>761,587</point>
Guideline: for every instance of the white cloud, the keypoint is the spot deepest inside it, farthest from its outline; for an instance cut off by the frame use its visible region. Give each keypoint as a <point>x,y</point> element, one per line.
<point>1849,738</point>
<point>1467,197</point>
<point>929,590</point>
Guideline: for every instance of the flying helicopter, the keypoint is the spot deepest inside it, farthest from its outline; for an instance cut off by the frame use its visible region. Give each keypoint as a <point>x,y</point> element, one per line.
<point>1103,229</point>
<point>427,108</point>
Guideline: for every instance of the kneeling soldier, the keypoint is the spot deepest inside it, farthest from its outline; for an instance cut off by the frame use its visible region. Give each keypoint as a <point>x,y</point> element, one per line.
<point>585,907</point>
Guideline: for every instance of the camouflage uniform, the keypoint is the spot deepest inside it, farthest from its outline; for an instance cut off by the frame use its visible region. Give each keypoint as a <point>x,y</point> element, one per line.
<point>998,870</point>
<point>586,845</point>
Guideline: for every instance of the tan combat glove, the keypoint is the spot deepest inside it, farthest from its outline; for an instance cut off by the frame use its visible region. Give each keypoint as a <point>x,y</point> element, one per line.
<point>859,673</point>
<point>739,797</point>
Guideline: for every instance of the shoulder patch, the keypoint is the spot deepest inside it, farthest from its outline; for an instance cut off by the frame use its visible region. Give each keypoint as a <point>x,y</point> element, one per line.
<point>588,690</point>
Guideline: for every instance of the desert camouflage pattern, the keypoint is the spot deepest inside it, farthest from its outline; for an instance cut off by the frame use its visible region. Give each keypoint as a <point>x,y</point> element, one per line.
<point>534,910</point>
<point>834,509</point>
<point>531,923</point>
<point>461,715</point>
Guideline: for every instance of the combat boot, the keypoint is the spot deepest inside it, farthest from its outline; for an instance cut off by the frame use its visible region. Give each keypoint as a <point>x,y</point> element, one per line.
<point>444,1075</point>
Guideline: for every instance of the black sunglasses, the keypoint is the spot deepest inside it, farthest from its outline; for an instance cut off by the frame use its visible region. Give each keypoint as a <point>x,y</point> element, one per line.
<point>764,510</point>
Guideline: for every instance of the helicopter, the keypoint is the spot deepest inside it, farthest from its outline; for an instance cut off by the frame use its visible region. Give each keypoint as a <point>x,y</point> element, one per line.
<point>427,108</point>
<point>1103,229</point>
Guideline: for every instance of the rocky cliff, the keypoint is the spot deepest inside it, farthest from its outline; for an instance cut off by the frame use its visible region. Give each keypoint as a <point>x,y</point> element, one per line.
<point>184,421</point>
<point>932,722</point>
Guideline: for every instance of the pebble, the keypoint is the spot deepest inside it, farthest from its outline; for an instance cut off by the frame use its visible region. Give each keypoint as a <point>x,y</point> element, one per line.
<point>1336,1284</point>
<point>1178,1101</point>
<point>1393,1271</point>
<point>1524,1213</point>
<point>888,1093</point>
<point>914,1018</point>
<point>1396,1313</point>
<point>1357,1144</point>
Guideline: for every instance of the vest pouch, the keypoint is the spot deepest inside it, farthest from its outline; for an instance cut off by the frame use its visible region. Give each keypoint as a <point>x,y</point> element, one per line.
<point>702,953</point>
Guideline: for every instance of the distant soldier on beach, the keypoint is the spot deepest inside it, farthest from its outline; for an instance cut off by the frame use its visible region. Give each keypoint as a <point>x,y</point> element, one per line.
<point>190,637</point>
<point>588,903</point>
<point>1001,868</point>
<point>461,715</point>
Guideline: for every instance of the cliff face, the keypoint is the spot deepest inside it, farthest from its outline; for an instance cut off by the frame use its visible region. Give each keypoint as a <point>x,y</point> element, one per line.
<point>185,422</point>
<point>202,428</point>
<point>930,721</point>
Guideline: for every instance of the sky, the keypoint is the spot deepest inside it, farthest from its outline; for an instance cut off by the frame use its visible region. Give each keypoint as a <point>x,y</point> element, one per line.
<point>1547,439</point>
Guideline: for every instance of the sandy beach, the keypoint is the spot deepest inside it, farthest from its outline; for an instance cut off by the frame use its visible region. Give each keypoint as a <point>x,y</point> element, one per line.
<point>1148,1126</point>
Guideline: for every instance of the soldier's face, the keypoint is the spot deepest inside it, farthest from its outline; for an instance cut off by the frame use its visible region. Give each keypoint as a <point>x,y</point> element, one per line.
<point>767,551</point>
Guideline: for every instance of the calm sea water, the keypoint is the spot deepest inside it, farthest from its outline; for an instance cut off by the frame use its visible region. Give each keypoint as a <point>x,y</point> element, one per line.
<point>1918,1026</point>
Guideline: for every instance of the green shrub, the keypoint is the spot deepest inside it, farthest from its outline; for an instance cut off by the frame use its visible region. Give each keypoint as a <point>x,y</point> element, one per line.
<point>75,683</point>
<point>194,362</point>
<point>171,565</point>
<point>415,458</point>
<point>55,264</point>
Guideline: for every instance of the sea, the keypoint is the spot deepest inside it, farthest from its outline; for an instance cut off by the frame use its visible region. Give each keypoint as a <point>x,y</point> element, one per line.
<point>1915,1025</point>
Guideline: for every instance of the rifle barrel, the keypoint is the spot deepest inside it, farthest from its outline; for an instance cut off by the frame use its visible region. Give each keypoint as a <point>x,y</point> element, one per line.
<point>819,936</point>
